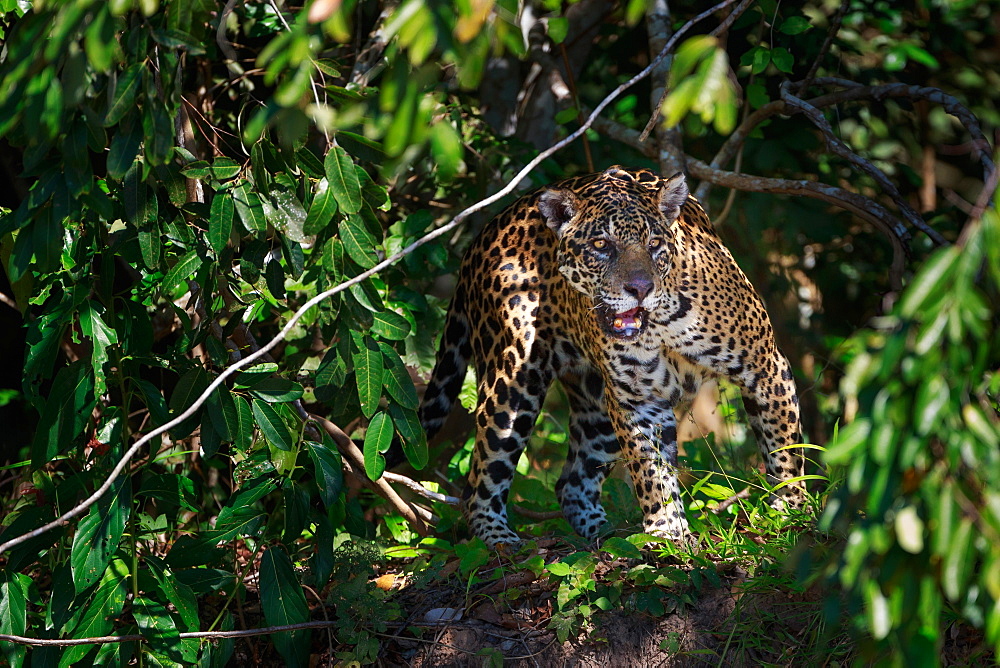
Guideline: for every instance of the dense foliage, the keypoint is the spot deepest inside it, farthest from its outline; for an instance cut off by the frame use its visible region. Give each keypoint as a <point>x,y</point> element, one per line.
<point>186,174</point>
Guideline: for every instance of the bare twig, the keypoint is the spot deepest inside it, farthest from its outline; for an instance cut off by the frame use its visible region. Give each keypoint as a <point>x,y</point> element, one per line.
<point>860,206</point>
<point>738,496</point>
<point>100,640</point>
<point>420,489</point>
<point>84,505</point>
<point>841,149</point>
<point>827,43</point>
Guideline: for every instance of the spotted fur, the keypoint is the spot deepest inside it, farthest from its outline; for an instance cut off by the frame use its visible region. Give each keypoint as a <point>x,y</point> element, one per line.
<point>616,284</point>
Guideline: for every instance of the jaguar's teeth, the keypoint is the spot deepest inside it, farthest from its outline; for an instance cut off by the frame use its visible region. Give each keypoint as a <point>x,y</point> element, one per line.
<point>619,323</point>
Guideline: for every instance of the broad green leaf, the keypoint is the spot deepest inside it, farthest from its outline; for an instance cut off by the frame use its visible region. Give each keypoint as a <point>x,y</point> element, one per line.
<point>13,613</point>
<point>99,533</point>
<point>378,438</point>
<point>329,471</point>
<point>158,627</point>
<point>276,390</point>
<point>933,278</point>
<point>220,222</point>
<point>621,548</point>
<point>65,414</point>
<point>126,88</point>
<point>795,25</point>
<point>368,368</point>
<point>447,150</point>
<point>358,242</point>
<point>284,603</point>
<point>100,611</point>
<point>99,41</point>
<point>390,325</point>
<point>322,210</point>
<point>271,425</point>
<point>396,379</point>
<point>150,243</point>
<point>249,207</point>
<point>223,413</point>
<point>414,440</point>
<point>94,328</point>
<point>557,27</point>
<point>958,562</point>
<point>782,59</point>
<point>243,439</point>
<point>124,149</point>
<point>172,489</point>
<point>343,180</point>
<point>250,376</point>
<point>180,272</point>
<point>188,388</point>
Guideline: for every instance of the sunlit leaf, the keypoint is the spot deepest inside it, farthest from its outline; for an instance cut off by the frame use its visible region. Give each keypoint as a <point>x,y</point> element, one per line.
<point>378,438</point>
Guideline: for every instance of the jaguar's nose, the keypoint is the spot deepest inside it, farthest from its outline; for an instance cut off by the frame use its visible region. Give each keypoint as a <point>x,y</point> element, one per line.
<point>639,286</point>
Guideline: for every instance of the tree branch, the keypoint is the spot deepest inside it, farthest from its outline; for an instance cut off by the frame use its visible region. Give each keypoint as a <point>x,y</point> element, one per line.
<point>860,206</point>
<point>841,149</point>
<point>347,448</point>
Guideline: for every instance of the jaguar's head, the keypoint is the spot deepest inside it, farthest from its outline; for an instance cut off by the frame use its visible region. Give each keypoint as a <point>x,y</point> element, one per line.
<point>616,243</point>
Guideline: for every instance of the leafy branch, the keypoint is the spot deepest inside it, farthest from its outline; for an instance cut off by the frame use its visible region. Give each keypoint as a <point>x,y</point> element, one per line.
<point>231,370</point>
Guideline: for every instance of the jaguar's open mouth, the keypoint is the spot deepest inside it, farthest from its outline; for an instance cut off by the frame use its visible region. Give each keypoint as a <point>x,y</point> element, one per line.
<point>625,325</point>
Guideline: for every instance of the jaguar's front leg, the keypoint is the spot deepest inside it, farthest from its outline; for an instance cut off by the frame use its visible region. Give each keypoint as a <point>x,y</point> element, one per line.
<point>647,432</point>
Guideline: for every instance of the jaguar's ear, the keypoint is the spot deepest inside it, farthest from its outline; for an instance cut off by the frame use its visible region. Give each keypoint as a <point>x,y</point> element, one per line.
<point>558,206</point>
<point>673,194</point>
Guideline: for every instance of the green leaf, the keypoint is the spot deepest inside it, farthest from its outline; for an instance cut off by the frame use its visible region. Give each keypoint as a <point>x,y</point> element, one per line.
<point>933,278</point>
<point>390,325</point>
<point>368,368</point>
<point>329,471</point>
<point>157,627</point>
<point>223,413</point>
<point>100,611</point>
<point>99,533</point>
<point>378,438</point>
<point>343,180</point>
<point>99,42</point>
<point>322,210</point>
<point>407,423</point>
<point>621,548</point>
<point>358,242</point>
<point>276,390</point>
<point>284,604</point>
<point>220,222</point>
<point>782,59</point>
<point>794,25</point>
<point>249,207</point>
<point>250,376</point>
<point>94,328</point>
<point>180,272</point>
<point>188,389</point>
<point>172,489</point>
<point>271,425</point>
<point>396,379</point>
<point>958,562</point>
<point>13,613</point>
<point>66,412</point>
<point>557,27</point>
<point>243,438</point>
<point>127,87</point>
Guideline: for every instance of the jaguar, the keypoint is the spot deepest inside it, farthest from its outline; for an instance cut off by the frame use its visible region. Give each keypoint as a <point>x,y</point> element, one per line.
<point>617,285</point>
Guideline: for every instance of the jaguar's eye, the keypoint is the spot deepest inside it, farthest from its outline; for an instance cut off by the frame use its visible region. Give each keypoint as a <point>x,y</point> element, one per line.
<point>599,244</point>
<point>655,243</point>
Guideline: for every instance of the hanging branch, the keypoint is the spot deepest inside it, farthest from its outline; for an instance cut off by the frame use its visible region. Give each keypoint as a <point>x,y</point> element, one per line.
<point>840,148</point>
<point>859,205</point>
